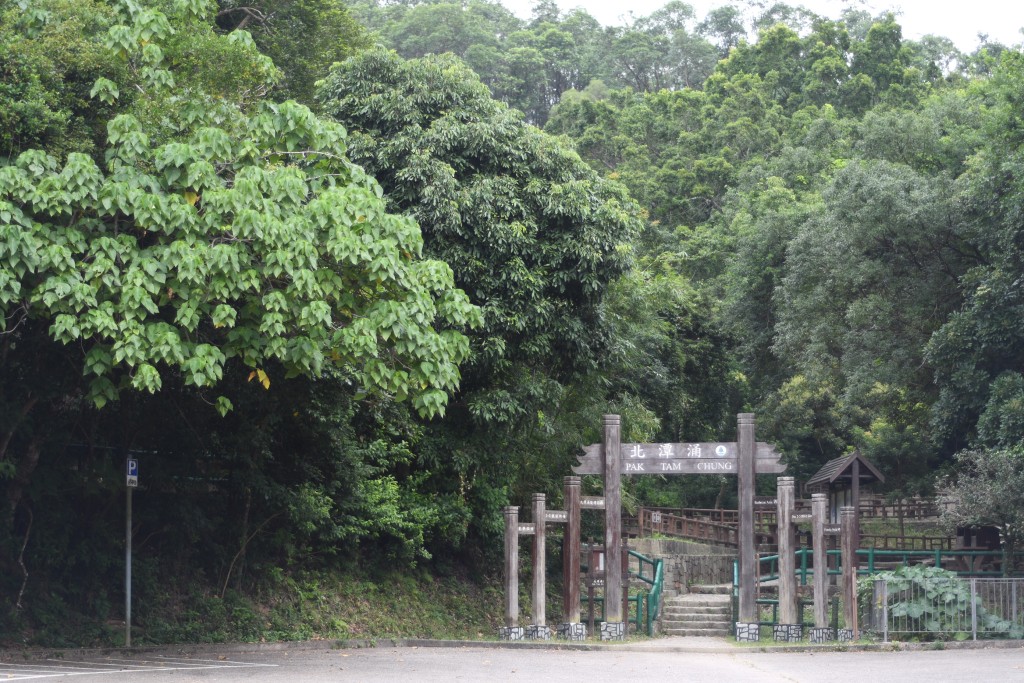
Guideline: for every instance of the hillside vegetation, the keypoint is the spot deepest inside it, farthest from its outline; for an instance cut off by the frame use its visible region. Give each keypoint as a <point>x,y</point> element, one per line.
<point>347,278</point>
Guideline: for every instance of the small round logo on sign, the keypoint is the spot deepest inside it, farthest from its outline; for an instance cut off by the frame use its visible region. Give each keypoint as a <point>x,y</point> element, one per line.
<point>720,451</point>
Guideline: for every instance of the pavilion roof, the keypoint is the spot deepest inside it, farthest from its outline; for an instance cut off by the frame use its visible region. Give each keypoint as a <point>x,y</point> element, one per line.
<point>842,468</point>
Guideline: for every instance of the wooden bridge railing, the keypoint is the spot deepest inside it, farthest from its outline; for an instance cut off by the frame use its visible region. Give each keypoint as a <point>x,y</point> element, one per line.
<point>654,521</point>
<point>719,526</point>
<point>871,507</point>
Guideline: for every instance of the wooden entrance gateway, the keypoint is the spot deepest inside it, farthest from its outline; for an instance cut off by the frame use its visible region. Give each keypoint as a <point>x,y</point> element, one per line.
<point>611,459</point>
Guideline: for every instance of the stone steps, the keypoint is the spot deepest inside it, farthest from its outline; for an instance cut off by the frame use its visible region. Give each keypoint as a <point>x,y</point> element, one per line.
<point>716,589</point>
<point>696,632</point>
<point>718,624</point>
<point>676,613</point>
<point>707,611</point>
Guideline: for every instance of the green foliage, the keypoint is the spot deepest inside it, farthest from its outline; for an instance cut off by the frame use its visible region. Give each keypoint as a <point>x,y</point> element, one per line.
<point>302,37</point>
<point>530,65</point>
<point>936,603</point>
<point>268,248</point>
<point>987,489</point>
<point>213,239</point>
<point>825,231</point>
<point>981,341</point>
<point>532,234</point>
<point>52,56</point>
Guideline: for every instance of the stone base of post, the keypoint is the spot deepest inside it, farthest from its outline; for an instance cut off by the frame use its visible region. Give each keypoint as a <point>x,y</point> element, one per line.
<point>573,631</point>
<point>788,633</point>
<point>613,630</point>
<point>825,634</point>
<point>538,632</point>
<point>845,635</point>
<point>748,632</point>
<point>511,633</point>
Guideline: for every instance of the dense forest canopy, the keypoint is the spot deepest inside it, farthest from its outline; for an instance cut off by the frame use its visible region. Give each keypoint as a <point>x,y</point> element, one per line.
<point>347,278</point>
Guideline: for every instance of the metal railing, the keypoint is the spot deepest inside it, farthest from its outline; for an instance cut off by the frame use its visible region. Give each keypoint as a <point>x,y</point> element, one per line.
<point>642,607</point>
<point>976,563</point>
<point>947,608</point>
<point>649,605</point>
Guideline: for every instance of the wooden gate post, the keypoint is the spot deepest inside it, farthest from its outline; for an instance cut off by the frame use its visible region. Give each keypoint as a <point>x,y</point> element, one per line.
<point>848,520</point>
<point>822,632</point>
<point>614,625</point>
<point>512,630</point>
<point>538,629</point>
<point>746,627</point>
<point>790,626</point>
<point>571,552</point>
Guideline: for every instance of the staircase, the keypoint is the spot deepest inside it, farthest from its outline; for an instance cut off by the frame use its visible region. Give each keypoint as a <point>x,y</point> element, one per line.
<point>705,611</point>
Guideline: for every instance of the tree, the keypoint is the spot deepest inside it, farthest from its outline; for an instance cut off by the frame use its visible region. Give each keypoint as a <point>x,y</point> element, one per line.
<point>217,239</point>
<point>982,340</point>
<point>726,25</point>
<point>50,61</point>
<point>987,490</point>
<point>533,235</point>
<point>302,37</point>
<point>530,231</point>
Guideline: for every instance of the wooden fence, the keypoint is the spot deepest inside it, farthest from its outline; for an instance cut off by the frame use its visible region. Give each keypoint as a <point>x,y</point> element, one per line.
<point>650,521</point>
<point>719,527</point>
<point>871,507</point>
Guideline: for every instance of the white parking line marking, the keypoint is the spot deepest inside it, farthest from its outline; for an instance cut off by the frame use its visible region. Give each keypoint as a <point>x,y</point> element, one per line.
<point>58,668</point>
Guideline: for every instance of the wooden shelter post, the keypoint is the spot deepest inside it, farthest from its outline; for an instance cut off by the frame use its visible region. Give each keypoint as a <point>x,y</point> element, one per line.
<point>537,615</point>
<point>855,477</point>
<point>819,510</point>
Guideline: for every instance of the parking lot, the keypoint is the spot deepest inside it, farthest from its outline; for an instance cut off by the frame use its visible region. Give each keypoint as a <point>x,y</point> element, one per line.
<point>655,661</point>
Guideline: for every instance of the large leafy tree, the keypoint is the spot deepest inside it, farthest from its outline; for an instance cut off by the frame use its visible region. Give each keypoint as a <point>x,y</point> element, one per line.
<point>532,234</point>
<point>215,237</point>
<point>49,61</point>
<point>978,352</point>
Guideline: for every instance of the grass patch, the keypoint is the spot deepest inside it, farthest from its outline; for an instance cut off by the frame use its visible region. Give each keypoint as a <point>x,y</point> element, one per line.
<point>292,607</point>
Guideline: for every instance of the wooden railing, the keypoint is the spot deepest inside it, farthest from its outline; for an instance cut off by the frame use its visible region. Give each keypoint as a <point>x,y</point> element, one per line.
<point>871,507</point>
<point>652,521</point>
<point>880,542</point>
<point>719,527</point>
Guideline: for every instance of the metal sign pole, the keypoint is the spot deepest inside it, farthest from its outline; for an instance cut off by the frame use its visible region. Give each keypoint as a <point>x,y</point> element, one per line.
<point>131,482</point>
<point>128,570</point>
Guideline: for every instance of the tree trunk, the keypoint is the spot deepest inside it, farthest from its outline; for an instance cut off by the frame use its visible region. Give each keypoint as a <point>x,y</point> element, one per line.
<point>22,414</point>
<point>23,475</point>
<point>722,488</point>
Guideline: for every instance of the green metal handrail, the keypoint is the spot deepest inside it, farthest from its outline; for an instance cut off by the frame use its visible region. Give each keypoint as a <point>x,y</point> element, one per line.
<point>872,554</point>
<point>655,580</point>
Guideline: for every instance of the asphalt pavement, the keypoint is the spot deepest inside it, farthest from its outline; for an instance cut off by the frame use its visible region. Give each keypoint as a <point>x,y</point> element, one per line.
<point>704,660</point>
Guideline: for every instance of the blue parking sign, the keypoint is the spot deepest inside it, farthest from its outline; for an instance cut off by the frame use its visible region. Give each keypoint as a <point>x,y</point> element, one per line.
<point>133,472</point>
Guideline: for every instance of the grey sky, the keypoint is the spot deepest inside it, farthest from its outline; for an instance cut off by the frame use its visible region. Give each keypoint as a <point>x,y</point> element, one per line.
<point>959,21</point>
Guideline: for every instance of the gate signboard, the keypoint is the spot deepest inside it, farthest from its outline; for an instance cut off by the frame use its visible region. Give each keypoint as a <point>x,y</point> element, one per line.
<point>680,458</point>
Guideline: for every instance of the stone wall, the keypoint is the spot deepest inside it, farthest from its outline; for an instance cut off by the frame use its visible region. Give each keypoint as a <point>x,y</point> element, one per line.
<point>687,563</point>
